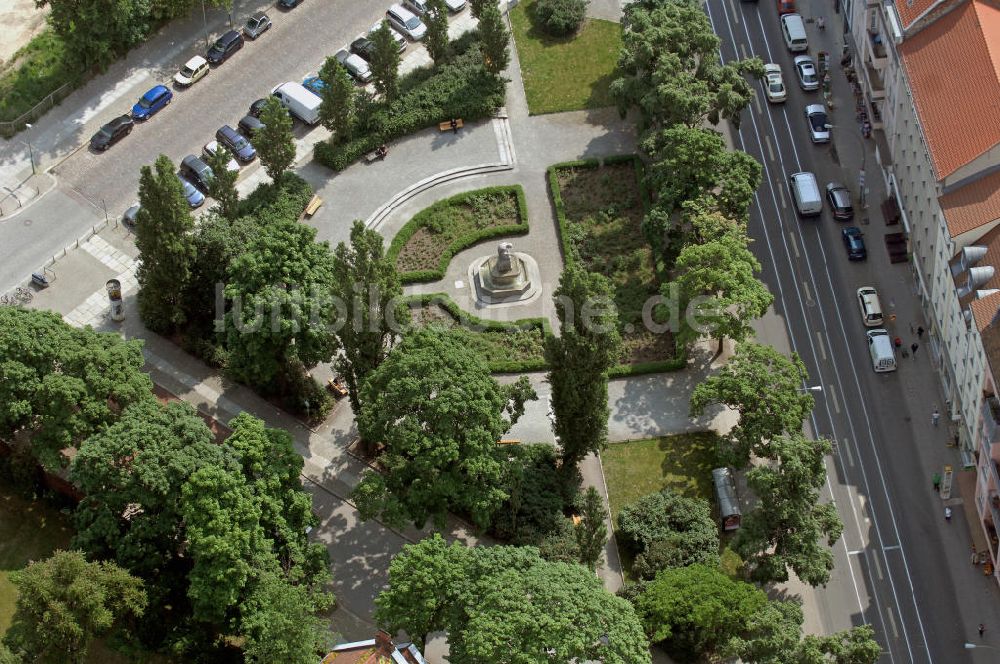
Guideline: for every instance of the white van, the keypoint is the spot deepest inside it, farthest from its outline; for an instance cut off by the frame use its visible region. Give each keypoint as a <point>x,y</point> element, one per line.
<point>793,30</point>
<point>302,103</point>
<point>871,308</point>
<point>805,193</point>
<point>880,348</point>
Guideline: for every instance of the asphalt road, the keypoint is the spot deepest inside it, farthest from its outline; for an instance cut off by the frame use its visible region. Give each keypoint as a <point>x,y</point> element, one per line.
<point>894,568</point>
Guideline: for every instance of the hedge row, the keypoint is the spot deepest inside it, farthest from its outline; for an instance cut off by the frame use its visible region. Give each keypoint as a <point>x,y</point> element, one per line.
<point>421,219</point>
<point>459,88</point>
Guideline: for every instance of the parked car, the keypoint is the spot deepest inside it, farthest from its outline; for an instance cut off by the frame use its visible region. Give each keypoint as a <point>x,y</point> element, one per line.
<point>840,201</point>
<point>455,6</point>
<point>355,65</point>
<point>212,147</point>
<point>396,37</point>
<point>819,126</point>
<point>256,25</point>
<point>786,7</point>
<point>257,106</point>
<point>300,102</point>
<point>224,47</point>
<point>406,22</point>
<point>871,308</point>
<point>289,4</point>
<point>314,84</point>
<point>112,132</point>
<point>197,171</point>
<point>194,197</point>
<point>774,84</point>
<point>418,7</point>
<point>854,242</point>
<point>236,143</point>
<point>805,69</point>
<point>151,103</point>
<point>130,215</point>
<point>249,126</point>
<point>363,47</point>
<point>193,71</point>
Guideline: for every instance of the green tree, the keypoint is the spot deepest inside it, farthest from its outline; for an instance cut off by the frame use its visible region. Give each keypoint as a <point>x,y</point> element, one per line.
<point>560,18</point>
<point>439,413</point>
<point>371,313</point>
<point>98,31</point>
<point>765,388</point>
<point>436,19</point>
<point>670,67</point>
<point>336,112</point>
<point>64,602</point>
<point>720,294</point>
<point>786,529</point>
<point>385,62</point>
<point>280,624</point>
<point>476,7</point>
<point>591,533</point>
<point>695,610</point>
<point>421,594</point>
<point>274,142</point>
<point>493,39</point>
<point>683,525</point>
<point>163,236</point>
<point>60,384</point>
<point>223,186</point>
<point>588,346</point>
<point>275,328</point>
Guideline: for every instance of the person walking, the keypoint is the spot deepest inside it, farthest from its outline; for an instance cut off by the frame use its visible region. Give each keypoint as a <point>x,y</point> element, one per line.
<point>913,349</point>
<point>920,332</point>
<point>947,514</point>
<point>936,481</point>
<point>935,417</point>
<point>982,629</point>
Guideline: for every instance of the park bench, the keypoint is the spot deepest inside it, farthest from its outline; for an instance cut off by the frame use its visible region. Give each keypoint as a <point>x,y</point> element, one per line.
<point>446,125</point>
<point>314,203</point>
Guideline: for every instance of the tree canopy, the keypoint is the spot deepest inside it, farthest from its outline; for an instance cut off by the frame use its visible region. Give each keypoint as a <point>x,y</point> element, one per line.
<point>336,111</point>
<point>275,142</point>
<point>62,384</point>
<point>439,414</point>
<point>682,527</point>
<point>385,62</point>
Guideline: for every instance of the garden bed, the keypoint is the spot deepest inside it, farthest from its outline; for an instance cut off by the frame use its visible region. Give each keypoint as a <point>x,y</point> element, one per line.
<point>600,207</point>
<point>423,248</point>
<point>507,347</point>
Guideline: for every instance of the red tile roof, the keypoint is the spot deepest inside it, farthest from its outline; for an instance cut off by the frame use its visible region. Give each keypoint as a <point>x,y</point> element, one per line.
<point>910,10</point>
<point>953,66</point>
<point>984,309</point>
<point>972,206</point>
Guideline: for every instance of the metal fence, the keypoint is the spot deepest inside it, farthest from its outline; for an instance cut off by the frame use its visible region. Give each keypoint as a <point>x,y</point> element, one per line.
<point>8,129</point>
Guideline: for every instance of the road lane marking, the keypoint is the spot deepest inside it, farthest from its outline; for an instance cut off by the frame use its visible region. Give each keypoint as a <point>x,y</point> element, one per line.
<point>856,552</point>
<point>891,547</point>
<point>736,16</point>
<point>878,568</point>
<point>819,341</point>
<point>809,297</point>
<point>833,395</point>
<point>770,148</point>
<point>795,245</point>
<point>781,195</point>
<point>892,621</point>
<point>846,447</point>
<point>756,103</point>
<point>743,49</point>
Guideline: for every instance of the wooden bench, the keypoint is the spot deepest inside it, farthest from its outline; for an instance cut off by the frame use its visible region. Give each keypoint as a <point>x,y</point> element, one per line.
<point>314,204</point>
<point>509,441</point>
<point>446,125</point>
<point>338,389</point>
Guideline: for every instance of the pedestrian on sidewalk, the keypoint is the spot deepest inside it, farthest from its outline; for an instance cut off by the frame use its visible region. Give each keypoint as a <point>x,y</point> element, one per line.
<point>947,514</point>
<point>936,481</point>
<point>920,332</point>
<point>982,628</point>
<point>935,417</point>
<point>913,349</point>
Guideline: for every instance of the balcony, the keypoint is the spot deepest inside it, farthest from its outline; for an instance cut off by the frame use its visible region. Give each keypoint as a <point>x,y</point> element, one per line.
<point>879,55</point>
<point>991,420</point>
<point>874,78</point>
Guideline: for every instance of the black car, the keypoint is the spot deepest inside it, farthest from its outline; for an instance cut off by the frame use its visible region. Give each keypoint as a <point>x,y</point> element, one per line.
<point>289,4</point>
<point>197,171</point>
<point>364,47</point>
<point>112,132</point>
<point>249,126</point>
<point>854,242</point>
<point>257,107</point>
<point>839,198</point>
<point>224,47</point>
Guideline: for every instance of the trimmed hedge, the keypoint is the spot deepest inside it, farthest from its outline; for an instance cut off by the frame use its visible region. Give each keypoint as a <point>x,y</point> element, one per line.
<point>421,218</point>
<point>475,324</point>
<point>660,366</point>
<point>458,88</point>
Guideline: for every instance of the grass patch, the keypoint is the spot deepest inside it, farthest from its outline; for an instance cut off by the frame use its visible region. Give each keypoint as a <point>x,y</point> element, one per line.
<point>423,248</point>
<point>36,70</point>
<point>507,347</point>
<point>682,463</point>
<point>565,73</point>
<point>600,208</point>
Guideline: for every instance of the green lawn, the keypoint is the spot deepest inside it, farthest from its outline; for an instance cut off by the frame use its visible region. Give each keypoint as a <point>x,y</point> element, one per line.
<point>565,73</point>
<point>38,69</point>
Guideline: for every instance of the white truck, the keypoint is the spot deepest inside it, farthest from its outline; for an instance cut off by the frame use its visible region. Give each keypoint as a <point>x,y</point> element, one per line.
<point>302,103</point>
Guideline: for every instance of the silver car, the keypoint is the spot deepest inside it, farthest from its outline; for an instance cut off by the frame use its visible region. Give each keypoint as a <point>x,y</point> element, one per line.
<point>819,124</point>
<point>213,146</point>
<point>396,37</point>
<point>355,65</point>
<point>256,25</point>
<point>805,70</point>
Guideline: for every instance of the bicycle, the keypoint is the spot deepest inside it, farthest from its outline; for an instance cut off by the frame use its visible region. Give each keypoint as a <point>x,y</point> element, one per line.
<point>23,294</point>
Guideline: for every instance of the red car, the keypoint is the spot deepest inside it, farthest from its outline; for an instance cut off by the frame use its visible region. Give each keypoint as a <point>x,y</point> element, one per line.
<point>786,7</point>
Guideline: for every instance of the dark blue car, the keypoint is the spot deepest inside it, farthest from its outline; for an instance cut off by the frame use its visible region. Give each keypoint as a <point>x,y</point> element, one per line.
<point>314,84</point>
<point>854,242</point>
<point>151,102</point>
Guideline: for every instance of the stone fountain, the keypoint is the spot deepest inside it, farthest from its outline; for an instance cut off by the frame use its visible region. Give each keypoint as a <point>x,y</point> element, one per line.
<point>506,278</point>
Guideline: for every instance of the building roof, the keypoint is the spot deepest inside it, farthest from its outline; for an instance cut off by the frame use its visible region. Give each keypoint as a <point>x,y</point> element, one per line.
<point>972,206</point>
<point>910,10</point>
<point>953,66</point>
<point>989,334</point>
<point>380,650</point>
<point>984,311</point>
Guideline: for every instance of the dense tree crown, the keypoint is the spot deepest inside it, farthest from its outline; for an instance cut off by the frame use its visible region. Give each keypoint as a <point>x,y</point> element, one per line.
<point>62,384</point>
<point>274,142</point>
<point>506,605</point>
<point>674,530</point>
<point>336,111</point>
<point>439,414</point>
<point>385,62</point>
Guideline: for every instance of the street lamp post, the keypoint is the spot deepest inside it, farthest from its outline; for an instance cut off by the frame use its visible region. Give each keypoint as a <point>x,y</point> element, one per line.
<point>204,18</point>
<point>813,388</point>
<point>31,153</point>
<point>973,646</point>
